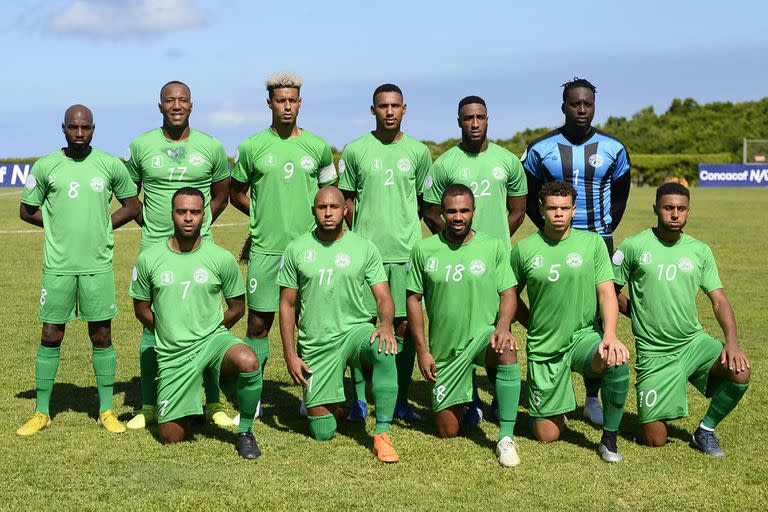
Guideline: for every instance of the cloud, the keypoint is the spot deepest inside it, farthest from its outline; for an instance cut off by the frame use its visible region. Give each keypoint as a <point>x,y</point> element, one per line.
<point>228,116</point>
<point>105,18</point>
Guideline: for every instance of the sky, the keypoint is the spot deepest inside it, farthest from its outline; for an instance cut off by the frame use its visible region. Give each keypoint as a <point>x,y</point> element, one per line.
<point>114,56</point>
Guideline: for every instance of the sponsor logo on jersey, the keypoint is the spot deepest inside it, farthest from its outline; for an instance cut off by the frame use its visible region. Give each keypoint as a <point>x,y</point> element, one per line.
<point>201,276</point>
<point>134,274</point>
<point>464,173</point>
<point>595,160</point>
<point>618,258</point>
<point>157,161</point>
<point>175,154</point>
<point>97,184</point>
<point>477,267</point>
<point>404,164</point>
<point>269,160</point>
<point>342,260</point>
<point>645,258</point>
<point>310,255</point>
<point>196,159</point>
<point>428,182</point>
<point>537,261</point>
<point>342,166</point>
<point>307,162</point>
<point>31,181</point>
<point>685,265</point>
<point>574,260</point>
<point>499,173</point>
<point>432,264</point>
<point>166,277</point>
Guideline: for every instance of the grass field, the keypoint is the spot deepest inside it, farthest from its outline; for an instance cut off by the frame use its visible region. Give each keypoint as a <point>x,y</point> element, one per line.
<point>76,465</point>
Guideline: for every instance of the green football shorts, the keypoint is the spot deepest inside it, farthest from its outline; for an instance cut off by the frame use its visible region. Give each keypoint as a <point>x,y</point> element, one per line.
<point>661,380</point>
<point>550,386</point>
<point>261,286</point>
<point>396,275</point>
<point>64,296</point>
<point>453,384</point>
<point>180,382</point>
<point>325,385</point>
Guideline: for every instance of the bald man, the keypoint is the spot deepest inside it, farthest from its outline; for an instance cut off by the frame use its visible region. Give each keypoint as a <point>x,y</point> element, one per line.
<point>326,272</point>
<point>69,194</point>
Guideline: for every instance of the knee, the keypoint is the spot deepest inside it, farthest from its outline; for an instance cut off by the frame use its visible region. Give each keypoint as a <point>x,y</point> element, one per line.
<point>51,336</point>
<point>508,356</point>
<point>741,377</point>
<point>547,436</point>
<point>171,435</point>
<point>101,341</point>
<point>322,428</point>
<point>247,362</point>
<point>447,431</point>
<point>653,436</point>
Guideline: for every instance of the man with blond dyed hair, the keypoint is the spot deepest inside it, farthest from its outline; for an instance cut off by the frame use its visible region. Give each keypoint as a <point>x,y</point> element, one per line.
<point>283,166</point>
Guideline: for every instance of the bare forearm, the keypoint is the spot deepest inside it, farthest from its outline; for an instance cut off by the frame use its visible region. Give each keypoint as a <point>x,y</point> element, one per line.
<point>147,318</point>
<point>218,205</point>
<point>350,216</point>
<point>233,314</point>
<point>416,325</point>
<point>31,214</point>
<point>727,320</point>
<point>432,218</point>
<point>287,328</point>
<point>625,306</point>
<point>609,308</point>
<point>507,308</point>
<point>515,220</point>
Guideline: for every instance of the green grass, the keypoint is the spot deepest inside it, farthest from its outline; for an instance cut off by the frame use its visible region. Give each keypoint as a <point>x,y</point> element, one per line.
<point>75,465</point>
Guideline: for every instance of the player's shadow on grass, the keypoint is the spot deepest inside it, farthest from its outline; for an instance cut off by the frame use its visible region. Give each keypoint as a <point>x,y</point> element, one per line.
<point>69,397</point>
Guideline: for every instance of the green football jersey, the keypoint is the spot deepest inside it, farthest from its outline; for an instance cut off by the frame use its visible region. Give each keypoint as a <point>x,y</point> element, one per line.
<point>387,179</point>
<point>460,285</point>
<point>493,175</point>
<point>561,277</point>
<point>76,201</point>
<point>330,279</point>
<point>163,166</point>
<point>284,175</point>
<point>185,289</point>
<point>663,281</point>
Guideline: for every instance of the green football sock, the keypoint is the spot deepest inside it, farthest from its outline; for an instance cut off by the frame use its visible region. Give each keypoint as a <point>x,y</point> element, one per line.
<point>614,389</point>
<point>358,379</point>
<point>248,394</point>
<point>211,387</point>
<point>322,428</point>
<point>46,364</point>
<point>383,385</point>
<point>260,347</point>
<point>724,399</point>
<point>508,395</point>
<point>104,362</point>
<point>148,369</point>
<point>406,356</point>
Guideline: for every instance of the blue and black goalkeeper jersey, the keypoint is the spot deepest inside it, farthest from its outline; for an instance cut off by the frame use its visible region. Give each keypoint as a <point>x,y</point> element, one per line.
<point>590,167</point>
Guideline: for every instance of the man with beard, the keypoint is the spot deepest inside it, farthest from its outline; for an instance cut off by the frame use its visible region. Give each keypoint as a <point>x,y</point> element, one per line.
<point>665,268</point>
<point>469,290</point>
<point>177,287</point>
<point>322,278</point>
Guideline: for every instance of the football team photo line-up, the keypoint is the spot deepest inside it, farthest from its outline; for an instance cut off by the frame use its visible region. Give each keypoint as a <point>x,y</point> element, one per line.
<point>357,296</point>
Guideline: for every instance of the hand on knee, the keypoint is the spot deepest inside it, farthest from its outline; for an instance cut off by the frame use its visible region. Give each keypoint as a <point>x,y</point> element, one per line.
<point>742,377</point>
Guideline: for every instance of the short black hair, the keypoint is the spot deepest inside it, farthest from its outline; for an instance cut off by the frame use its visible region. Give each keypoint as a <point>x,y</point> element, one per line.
<point>187,191</point>
<point>455,190</point>
<point>558,188</point>
<point>575,83</point>
<point>672,189</point>
<point>386,88</point>
<point>468,100</point>
<point>174,82</point>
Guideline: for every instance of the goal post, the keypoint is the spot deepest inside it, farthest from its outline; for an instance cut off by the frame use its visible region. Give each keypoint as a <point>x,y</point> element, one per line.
<point>755,151</point>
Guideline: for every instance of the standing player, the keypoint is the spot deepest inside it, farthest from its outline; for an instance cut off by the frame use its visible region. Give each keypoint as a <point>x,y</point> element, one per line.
<point>496,178</point>
<point>664,269</point>
<point>282,166</point>
<point>382,177</point>
<point>468,285</point>
<point>596,165</point>
<point>69,194</point>
<point>568,272</point>
<point>322,279</point>
<point>161,161</point>
<point>177,288</point>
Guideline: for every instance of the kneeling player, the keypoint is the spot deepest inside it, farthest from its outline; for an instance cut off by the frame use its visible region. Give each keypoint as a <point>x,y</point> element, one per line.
<point>567,271</point>
<point>664,269</point>
<point>322,279</point>
<point>177,288</point>
<point>466,281</point>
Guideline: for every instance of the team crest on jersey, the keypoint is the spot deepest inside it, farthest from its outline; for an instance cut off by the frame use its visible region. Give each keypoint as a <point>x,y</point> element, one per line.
<point>201,276</point>
<point>428,182</point>
<point>310,255</point>
<point>307,162</point>
<point>157,161</point>
<point>97,184</point>
<point>618,258</point>
<point>376,164</point>
<point>166,277</point>
<point>175,154</point>
<point>31,181</point>
<point>342,260</point>
<point>404,165</point>
<point>342,166</point>
<point>477,267</point>
<point>196,159</point>
<point>432,264</point>
<point>537,261</point>
<point>499,173</point>
<point>269,160</point>
<point>574,260</point>
<point>685,265</point>
<point>645,258</point>
<point>595,160</point>
<point>134,274</point>
<point>464,173</point>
